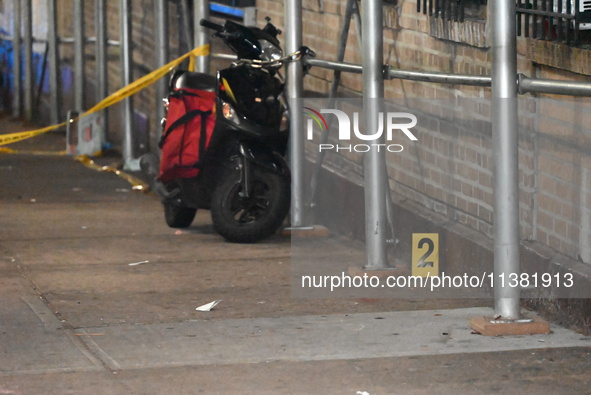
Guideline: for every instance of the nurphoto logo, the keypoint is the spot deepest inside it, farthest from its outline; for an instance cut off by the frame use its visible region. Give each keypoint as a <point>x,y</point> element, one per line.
<point>396,122</point>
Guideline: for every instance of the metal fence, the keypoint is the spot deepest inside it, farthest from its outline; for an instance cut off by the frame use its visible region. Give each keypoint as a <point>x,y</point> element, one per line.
<point>455,10</point>
<point>554,20</point>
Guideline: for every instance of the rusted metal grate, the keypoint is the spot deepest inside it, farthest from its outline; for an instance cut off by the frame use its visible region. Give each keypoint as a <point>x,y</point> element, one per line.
<point>455,10</point>
<point>554,20</point>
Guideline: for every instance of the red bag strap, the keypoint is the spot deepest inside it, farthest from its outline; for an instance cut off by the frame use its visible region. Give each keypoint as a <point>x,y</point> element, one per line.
<point>181,121</point>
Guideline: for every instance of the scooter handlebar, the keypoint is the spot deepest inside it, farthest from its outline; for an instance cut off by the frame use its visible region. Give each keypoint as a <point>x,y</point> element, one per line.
<point>211,25</point>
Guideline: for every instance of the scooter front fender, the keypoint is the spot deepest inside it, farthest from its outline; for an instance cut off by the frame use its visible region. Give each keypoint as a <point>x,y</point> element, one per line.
<point>265,158</point>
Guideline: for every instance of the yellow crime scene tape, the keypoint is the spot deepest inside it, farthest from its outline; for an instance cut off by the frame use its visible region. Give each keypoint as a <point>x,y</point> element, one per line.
<point>116,97</point>
<point>4,150</point>
<point>136,183</point>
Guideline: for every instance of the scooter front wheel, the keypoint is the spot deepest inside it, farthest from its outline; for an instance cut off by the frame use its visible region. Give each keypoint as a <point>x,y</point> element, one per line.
<point>250,219</point>
<point>178,216</point>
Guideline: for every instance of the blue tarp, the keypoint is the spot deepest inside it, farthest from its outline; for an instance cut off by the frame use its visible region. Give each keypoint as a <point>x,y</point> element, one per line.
<point>7,74</point>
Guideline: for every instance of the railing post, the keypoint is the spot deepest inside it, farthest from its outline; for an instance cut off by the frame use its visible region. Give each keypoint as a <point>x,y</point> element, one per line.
<point>293,41</point>
<point>54,80</point>
<point>126,78</point>
<point>162,48</point>
<point>201,10</point>
<point>350,9</point>
<point>28,59</point>
<point>17,60</point>
<point>374,161</point>
<point>79,44</point>
<point>102,79</point>
<point>505,153</point>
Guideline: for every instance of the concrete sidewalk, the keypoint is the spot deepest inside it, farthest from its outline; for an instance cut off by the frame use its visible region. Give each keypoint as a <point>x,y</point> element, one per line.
<point>79,317</point>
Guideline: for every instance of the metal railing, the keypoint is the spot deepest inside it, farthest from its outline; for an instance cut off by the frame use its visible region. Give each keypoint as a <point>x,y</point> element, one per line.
<point>553,20</point>
<point>455,10</point>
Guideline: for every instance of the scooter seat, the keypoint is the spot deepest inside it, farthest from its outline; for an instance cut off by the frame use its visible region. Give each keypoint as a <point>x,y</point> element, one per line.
<point>186,79</point>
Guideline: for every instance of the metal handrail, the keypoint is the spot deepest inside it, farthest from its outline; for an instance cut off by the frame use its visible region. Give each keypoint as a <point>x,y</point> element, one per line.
<point>525,84</point>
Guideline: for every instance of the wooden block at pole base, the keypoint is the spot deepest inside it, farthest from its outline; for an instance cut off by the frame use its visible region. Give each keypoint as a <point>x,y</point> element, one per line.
<point>307,231</point>
<point>398,270</point>
<point>488,326</point>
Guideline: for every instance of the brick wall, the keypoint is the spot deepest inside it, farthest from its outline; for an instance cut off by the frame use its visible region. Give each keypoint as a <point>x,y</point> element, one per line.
<point>449,170</point>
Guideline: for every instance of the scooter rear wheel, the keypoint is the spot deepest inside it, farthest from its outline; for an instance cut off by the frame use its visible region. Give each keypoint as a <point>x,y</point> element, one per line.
<point>178,216</point>
<point>249,220</point>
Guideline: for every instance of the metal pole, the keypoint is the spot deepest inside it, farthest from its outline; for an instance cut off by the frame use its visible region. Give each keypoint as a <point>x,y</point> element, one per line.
<point>225,56</point>
<point>442,78</point>
<point>28,58</point>
<point>17,60</point>
<point>250,16</point>
<point>357,20</point>
<point>332,65</point>
<point>53,52</point>
<point>557,87</point>
<point>525,84</point>
<point>505,151</point>
<point>426,76</point>
<point>79,55</point>
<point>374,160</point>
<point>201,11</point>
<point>332,96</point>
<point>126,78</point>
<point>102,79</point>
<point>293,41</point>
<point>161,15</point>
<point>188,31</point>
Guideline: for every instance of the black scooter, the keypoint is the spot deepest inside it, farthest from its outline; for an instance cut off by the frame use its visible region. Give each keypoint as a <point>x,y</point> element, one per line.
<point>243,179</point>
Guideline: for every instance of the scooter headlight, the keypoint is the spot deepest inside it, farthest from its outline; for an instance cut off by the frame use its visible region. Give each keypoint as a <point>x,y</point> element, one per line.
<point>270,51</point>
<point>229,113</point>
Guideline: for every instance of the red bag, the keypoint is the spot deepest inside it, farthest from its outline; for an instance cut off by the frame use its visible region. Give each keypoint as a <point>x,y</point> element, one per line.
<point>189,124</point>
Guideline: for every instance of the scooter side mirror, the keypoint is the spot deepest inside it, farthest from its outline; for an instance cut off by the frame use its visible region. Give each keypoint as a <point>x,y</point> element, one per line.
<point>271,29</point>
